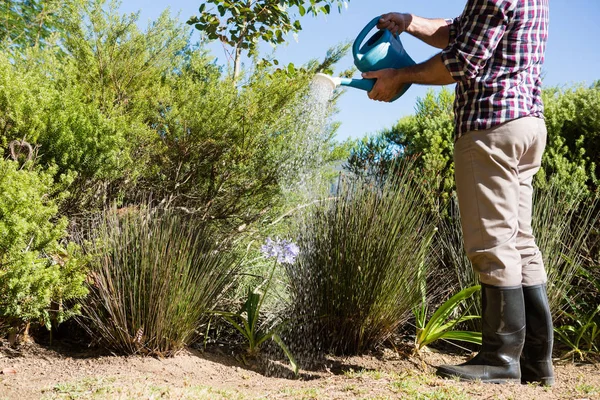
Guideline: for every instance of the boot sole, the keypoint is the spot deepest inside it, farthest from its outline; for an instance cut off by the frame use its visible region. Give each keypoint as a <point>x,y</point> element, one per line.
<point>465,379</point>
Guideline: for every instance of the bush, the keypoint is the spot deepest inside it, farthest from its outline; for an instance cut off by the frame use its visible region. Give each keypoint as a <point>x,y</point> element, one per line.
<point>562,223</point>
<point>573,156</point>
<point>357,276</point>
<point>37,274</point>
<point>155,276</point>
<point>228,153</point>
<point>571,159</point>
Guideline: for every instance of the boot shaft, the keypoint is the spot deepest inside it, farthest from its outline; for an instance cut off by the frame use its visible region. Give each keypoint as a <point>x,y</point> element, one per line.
<point>540,331</point>
<point>503,336</point>
<point>503,322</point>
<point>536,359</point>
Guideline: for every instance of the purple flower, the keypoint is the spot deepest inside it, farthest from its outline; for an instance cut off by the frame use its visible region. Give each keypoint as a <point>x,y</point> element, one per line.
<point>285,250</point>
<point>270,248</point>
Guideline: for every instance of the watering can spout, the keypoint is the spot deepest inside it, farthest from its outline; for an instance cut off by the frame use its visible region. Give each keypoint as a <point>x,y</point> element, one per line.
<point>326,80</point>
<point>362,84</point>
<point>335,82</point>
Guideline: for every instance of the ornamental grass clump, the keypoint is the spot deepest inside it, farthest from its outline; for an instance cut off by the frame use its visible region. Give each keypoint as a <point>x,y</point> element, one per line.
<point>355,280</point>
<point>157,275</point>
<point>562,224</point>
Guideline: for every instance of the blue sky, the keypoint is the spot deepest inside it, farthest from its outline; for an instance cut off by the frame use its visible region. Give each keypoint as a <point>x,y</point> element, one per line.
<point>572,56</point>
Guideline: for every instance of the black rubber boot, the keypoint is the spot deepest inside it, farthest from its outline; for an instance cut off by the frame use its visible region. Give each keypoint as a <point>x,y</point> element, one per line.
<point>536,359</point>
<point>503,335</point>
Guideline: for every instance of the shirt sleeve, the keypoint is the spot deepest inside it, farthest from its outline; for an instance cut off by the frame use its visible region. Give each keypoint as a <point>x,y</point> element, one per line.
<point>452,24</point>
<point>474,37</point>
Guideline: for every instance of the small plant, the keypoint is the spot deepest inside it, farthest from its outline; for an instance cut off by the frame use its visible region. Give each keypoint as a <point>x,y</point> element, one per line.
<point>247,319</point>
<point>581,334</point>
<point>441,323</point>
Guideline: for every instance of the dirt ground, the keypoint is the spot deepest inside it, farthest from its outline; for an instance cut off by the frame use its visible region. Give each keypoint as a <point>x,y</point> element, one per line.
<point>40,372</point>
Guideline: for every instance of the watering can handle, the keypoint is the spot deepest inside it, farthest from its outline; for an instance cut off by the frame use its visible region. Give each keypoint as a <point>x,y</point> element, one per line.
<point>362,36</point>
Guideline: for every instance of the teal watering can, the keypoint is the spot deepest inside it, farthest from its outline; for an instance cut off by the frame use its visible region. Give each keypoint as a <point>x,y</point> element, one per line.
<point>383,50</point>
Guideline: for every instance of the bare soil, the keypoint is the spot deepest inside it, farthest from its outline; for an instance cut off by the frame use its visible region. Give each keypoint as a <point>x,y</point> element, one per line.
<point>42,372</point>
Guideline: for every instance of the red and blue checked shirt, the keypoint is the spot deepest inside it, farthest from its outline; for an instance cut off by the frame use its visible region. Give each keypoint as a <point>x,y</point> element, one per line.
<point>495,54</point>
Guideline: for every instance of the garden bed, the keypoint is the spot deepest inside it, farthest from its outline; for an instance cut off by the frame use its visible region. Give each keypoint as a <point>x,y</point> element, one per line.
<point>59,372</point>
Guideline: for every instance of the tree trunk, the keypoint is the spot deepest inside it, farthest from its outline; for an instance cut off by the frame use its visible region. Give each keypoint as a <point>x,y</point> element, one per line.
<point>237,64</point>
<point>18,334</point>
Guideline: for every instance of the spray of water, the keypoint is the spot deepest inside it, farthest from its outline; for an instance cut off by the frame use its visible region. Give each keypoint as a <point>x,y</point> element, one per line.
<point>309,185</point>
<point>314,125</point>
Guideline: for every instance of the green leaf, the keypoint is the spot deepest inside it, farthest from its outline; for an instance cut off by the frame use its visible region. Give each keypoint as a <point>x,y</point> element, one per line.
<point>251,307</point>
<point>260,339</point>
<point>438,324</point>
<point>287,352</point>
<point>463,336</point>
<point>237,326</point>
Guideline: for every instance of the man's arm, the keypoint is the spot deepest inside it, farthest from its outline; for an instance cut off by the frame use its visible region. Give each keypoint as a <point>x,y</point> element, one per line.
<point>390,81</point>
<point>476,37</point>
<point>435,32</point>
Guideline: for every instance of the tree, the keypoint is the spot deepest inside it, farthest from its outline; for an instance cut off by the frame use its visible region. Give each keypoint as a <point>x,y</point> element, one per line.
<point>85,105</point>
<point>25,23</point>
<point>242,24</point>
<point>571,160</point>
<point>427,135</point>
<point>228,153</point>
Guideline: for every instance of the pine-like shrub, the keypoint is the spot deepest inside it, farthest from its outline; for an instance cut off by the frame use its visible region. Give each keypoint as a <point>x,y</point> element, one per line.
<point>37,273</point>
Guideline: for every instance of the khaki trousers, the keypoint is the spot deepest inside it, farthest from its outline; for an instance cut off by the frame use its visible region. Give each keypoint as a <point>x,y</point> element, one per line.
<point>494,174</point>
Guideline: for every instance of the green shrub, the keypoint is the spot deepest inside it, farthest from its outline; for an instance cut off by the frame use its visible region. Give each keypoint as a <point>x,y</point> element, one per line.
<point>37,274</point>
<point>355,280</point>
<point>572,117</point>
<point>70,134</point>
<point>155,275</point>
<point>86,101</point>
<point>228,153</point>
<point>428,134</point>
<point>571,160</point>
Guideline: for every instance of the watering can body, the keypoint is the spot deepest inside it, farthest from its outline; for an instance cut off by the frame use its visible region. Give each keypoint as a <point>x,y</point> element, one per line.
<point>383,50</point>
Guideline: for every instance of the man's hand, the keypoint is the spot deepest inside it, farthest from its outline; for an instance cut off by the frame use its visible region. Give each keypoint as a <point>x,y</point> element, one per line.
<point>395,22</point>
<point>389,83</point>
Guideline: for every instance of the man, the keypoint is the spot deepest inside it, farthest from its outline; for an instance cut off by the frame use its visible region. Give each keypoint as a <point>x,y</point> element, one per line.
<point>493,52</point>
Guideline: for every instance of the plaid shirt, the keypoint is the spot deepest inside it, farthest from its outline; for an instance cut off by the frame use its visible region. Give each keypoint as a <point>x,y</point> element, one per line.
<point>495,54</point>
